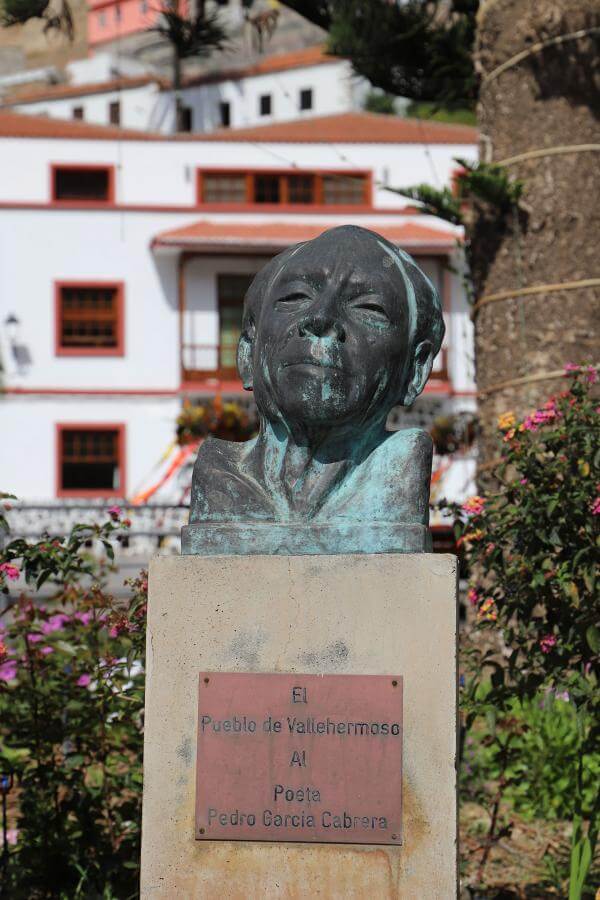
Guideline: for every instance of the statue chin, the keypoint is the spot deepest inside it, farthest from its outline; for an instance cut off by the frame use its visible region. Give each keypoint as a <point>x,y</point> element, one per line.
<point>306,397</point>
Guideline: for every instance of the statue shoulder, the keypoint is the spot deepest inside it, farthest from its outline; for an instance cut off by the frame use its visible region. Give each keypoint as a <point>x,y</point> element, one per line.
<point>412,447</point>
<point>216,470</point>
<point>224,484</point>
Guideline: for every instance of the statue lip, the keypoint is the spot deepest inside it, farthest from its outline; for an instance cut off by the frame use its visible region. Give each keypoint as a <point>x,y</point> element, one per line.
<point>311,361</point>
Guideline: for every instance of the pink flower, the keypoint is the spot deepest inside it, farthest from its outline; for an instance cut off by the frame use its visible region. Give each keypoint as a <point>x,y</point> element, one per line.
<point>11,572</point>
<point>46,650</point>
<point>571,367</point>
<point>529,424</point>
<point>595,507</point>
<point>8,670</point>
<point>84,680</point>
<point>591,375</point>
<point>35,638</point>
<point>54,623</point>
<point>474,506</point>
<point>84,617</point>
<point>473,596</point>
<point>547,643</point>
<point>524,481</point>
<point>114,512</point>
<point>12,836</point>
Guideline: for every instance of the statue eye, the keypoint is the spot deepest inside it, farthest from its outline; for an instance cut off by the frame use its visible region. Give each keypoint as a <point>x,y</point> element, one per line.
<point>296,297</point>
<point>373,309</point>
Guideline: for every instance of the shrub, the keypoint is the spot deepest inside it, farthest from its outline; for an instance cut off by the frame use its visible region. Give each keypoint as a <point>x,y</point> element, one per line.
<point>532,545</point>
<point>71,708</point>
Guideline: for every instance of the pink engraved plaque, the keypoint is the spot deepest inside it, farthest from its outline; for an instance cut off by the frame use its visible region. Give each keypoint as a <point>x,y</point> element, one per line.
<point>314,758</point>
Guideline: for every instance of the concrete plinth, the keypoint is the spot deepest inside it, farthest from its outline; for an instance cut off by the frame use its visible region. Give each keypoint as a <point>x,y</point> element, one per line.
<point>359,614</point>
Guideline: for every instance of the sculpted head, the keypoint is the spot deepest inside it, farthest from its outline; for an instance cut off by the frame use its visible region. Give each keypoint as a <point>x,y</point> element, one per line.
<point>339,330</point>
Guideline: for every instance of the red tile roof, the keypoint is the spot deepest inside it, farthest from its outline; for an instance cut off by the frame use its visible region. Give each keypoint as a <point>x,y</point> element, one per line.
<point>281,62</point>
<point>348,128</point>
<point>309,56</point>
<point>60,91</point>
<point>343,128</point>
<point>273,236</point>
<point>19,125</point>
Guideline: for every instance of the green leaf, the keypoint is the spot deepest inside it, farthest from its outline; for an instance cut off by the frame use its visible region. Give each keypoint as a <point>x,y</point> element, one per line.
<point>592,636</point>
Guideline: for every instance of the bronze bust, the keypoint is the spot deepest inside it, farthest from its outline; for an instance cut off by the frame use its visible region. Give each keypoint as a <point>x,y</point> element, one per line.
<point>336,332</point>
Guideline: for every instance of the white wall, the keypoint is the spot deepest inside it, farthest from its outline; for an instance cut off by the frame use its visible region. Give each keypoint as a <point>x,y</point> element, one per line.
<point>163,172</point>
<point>137,105</point>
<point>28,427</point>
<point>335,90</point>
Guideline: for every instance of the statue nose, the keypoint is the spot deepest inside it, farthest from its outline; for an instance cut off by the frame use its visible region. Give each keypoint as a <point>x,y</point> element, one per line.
<point>322,326</point>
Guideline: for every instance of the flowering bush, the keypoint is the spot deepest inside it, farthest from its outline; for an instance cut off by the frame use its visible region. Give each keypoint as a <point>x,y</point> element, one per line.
<point>71,707</point>
<point>533,545</point>
<point>224,419</point>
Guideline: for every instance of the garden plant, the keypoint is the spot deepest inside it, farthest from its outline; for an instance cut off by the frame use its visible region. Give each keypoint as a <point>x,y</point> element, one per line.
<point>71,707</point>
<point>531,689</point>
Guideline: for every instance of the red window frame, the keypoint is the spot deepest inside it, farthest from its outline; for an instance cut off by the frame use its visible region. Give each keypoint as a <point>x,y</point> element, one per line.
<point>120,428</point>
<point>119,350</point>
<point>95,167</point>
<point>284,205</point>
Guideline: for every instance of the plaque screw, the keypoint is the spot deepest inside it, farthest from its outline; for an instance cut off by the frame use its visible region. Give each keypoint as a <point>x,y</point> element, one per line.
<point>394,836</point>
<point>206,680</point>
<point>202,832</point>
<point>394,684</point>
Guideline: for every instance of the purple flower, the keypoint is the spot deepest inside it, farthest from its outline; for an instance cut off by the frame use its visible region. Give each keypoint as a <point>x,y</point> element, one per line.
<point>54,623</point>
<point>85,617</point>
<point>46,650</point>
<point>8,670</point>
<point>35,638</point>
<point>547,643</point>
<point>84,680</point>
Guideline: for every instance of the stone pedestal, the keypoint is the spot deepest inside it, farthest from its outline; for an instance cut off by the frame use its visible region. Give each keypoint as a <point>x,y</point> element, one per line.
<point>359,614</point>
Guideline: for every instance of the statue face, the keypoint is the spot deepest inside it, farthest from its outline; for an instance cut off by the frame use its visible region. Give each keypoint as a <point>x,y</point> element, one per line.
<point>332,341</point>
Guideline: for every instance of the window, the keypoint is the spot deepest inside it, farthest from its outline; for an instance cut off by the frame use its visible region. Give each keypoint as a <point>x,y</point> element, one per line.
<point>301,188</point>
<point>224,188</point>
<point>186,118</point>
<point>265,105</point>
<point>91,460</point>
<point>78,112</point>
<point>343,190</point>
<point>306,98</point>
<point>93,184</point>
<point>231,292</point>
<point>289,188</point>
<point>225,114</point>
<point>266,189</point>
<point>117,13</point>
<point>114,113</point>
<point>89,320</point>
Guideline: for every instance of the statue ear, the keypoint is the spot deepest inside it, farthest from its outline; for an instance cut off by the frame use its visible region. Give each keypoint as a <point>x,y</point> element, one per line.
<point>421,369</point>
<point>244,357</point>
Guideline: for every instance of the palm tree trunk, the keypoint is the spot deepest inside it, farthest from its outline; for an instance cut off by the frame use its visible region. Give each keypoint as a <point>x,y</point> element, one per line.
<point>547,100</point>
<point>177,91</point>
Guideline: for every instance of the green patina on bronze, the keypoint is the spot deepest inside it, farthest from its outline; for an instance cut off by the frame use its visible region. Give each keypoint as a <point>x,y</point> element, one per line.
<point>336,332</point>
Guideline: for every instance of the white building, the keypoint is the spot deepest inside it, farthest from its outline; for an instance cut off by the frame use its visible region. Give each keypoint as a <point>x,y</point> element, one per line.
<point>124,258</point>
<point>106,90</point>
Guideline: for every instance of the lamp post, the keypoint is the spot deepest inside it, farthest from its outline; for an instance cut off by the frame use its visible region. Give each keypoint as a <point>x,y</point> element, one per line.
<point>12,323</point>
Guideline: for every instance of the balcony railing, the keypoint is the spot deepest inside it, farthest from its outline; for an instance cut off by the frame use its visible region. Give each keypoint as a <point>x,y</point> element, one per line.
<point>153,526</point>
<point>200,362</point>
